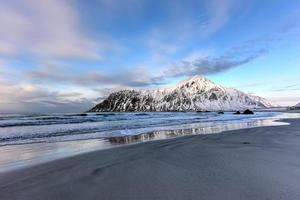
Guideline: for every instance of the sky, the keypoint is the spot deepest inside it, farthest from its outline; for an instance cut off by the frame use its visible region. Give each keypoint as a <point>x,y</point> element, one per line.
<point>67,55</point>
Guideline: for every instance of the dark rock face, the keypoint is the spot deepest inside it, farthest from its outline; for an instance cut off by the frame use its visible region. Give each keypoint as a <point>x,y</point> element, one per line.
<point>221,112</point>
<point>248,112</point>
<point>213,97</point>
<point>237,113</point>
<point>123,101</point>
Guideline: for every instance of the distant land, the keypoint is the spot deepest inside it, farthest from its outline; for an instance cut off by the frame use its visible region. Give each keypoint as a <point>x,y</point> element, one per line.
<point>295,107</point>
<point>194,94</point>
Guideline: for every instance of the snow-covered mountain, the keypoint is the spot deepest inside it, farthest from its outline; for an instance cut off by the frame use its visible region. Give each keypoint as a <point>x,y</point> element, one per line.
<point>194,94</point>
<point>295,107</point>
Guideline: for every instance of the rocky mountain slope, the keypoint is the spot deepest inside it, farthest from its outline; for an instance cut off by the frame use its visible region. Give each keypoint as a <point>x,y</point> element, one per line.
<point>194,94</point>
<point>295,107</point>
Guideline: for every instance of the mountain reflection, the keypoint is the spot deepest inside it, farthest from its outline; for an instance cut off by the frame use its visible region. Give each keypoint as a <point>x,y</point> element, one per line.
<point>214,128</point>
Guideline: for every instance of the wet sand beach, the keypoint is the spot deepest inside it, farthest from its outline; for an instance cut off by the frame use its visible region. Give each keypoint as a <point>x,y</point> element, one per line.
<point>255,163</point>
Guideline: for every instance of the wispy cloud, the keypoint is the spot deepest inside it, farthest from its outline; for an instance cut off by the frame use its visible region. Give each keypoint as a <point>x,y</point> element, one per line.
<point>184,24</point>
<point>136,77</point>
<point>30,98</point>
<point>140,76</point>
<point>47,29</point>
<point>293,87</point>
<point>219,12</point>
<point>209,65</point>
<point>255,84</point>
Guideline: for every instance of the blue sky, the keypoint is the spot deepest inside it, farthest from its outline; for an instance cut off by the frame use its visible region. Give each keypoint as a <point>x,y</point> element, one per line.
<point>65,56</point>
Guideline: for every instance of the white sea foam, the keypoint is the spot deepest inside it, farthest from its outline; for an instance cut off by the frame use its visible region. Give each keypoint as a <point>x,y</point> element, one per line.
<point>22,129</point>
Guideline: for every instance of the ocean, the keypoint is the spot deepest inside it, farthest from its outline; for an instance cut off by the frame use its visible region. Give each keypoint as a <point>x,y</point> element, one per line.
<point>30,139</point>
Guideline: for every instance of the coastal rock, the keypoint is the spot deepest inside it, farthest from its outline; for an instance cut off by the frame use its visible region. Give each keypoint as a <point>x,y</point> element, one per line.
<point>248,112</point>
<point>237,113</point>
<point>195,94</point>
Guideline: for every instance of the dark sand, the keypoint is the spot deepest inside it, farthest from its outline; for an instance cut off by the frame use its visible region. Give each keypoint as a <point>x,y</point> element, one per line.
<point>257,163</point>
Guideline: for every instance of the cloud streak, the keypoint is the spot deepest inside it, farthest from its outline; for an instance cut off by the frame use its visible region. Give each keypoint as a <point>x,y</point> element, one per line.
<point>219,12</point>
<point>136,77</point>
<point>140,77</point>
<point>293,87</point>
<point>30,98</point>
<point>48,29</point>
<point>212,65</point>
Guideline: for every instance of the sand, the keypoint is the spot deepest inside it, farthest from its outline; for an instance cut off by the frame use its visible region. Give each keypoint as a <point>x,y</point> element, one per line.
<point>256,163</point>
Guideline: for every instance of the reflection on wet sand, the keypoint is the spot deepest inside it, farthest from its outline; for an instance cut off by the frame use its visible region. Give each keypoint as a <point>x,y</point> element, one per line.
<point>25,155</point>
<point>213,128</point>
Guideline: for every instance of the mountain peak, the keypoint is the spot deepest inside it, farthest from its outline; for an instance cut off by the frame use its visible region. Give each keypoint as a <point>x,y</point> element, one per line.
<point>196,79</point>
<point>197,83</point>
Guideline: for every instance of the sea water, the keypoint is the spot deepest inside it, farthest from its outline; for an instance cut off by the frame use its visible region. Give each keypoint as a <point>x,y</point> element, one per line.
<point>35,138</point>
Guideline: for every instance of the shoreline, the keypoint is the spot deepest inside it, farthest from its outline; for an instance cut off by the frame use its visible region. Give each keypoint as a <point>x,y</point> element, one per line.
<point>255,163</point>
<point>31,154</point>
